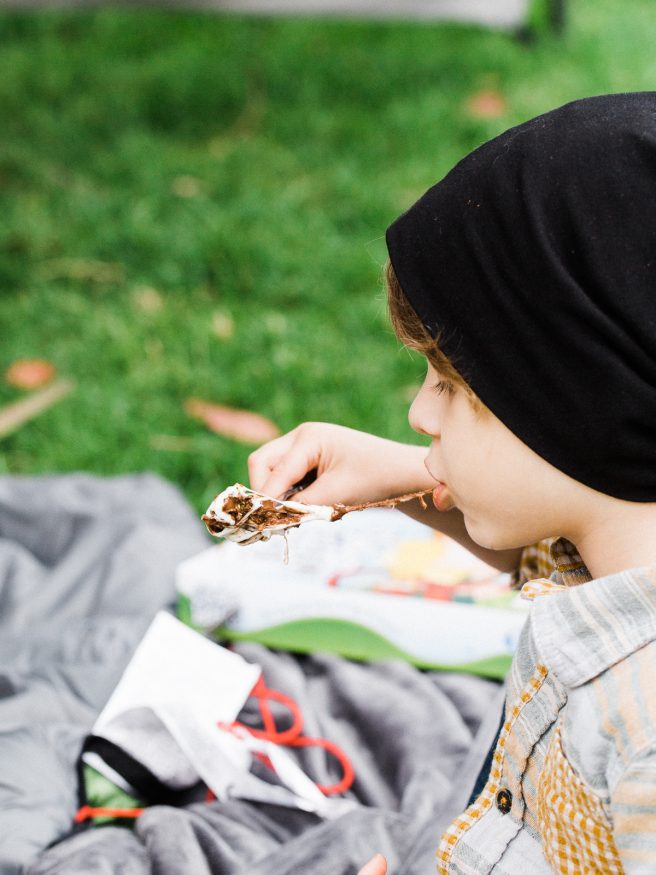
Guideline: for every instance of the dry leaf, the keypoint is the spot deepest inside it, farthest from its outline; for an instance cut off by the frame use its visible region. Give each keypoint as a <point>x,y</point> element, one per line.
<point>147,299</point>
<point>242,425</point>
<point>223,325</point>
<point>29,373</point>
<point>12,416</point>
<point>186,186</point>
<point>487,104</point>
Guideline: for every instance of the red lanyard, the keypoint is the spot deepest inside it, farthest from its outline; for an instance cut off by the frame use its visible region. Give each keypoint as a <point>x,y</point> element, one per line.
<point>287,737</point>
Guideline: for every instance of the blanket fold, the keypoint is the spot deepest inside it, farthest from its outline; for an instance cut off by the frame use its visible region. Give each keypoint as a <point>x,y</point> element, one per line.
<point>85,563</point>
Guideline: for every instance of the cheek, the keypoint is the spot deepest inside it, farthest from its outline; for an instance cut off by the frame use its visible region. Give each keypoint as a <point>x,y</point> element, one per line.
<point>495,527</point>
<point>503,513</point>
<point>486,488</point>
<point>463,463</point>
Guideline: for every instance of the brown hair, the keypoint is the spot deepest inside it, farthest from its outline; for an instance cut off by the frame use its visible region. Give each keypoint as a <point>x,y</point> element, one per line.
<point>411,332</point>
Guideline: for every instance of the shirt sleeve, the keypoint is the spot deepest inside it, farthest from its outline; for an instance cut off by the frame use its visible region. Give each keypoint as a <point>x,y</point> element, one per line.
<point>633,810</point>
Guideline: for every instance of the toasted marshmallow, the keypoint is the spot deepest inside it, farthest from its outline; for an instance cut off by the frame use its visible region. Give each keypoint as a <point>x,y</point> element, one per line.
<point>242,515</point>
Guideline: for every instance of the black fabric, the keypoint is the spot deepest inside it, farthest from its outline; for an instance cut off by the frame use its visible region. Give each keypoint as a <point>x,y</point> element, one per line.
<point>534,261</point>
<point>147,785</point>
<point>486,768</point>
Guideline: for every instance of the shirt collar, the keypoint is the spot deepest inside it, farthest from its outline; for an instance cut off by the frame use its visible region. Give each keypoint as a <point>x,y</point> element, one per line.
<point>571,570</point>
<point>583,626</point>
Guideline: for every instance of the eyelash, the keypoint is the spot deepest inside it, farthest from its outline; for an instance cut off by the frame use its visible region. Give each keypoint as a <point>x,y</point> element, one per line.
<point>442,386</point>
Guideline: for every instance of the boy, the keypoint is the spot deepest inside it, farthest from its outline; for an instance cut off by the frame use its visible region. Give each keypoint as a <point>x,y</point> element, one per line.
<point>527,277</point>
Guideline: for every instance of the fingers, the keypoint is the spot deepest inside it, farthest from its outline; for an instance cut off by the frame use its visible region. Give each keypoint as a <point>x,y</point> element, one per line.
<point>263,461</point>
<point>287,474</point>
<point>376,866</point>
<point>283,462</point>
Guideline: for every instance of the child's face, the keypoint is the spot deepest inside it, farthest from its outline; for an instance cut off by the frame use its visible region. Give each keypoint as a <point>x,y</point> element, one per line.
<point>509,495</point>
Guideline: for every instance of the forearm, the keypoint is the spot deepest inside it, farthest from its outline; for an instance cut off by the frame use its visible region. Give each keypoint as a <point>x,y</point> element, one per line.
<point>354,467</point>
<point>452,523</point>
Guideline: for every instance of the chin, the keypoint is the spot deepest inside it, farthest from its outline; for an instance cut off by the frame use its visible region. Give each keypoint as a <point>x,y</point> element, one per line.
<point>488,535</point>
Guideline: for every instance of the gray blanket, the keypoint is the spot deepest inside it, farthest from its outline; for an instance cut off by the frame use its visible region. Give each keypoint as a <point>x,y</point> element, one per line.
<point>84,565</point>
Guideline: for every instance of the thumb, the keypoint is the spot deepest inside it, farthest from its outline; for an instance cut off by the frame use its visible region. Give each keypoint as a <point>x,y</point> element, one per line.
<point>376,866</point>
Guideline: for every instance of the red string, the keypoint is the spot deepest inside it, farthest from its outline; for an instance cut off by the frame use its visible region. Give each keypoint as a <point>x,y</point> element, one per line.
<point>270,732</point>
<point>290,737</point>
<point>347,767</point>
<point>88,811</point>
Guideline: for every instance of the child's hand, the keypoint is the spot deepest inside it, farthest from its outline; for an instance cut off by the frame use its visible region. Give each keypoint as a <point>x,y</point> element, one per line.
<point>376,866</point>
<point>351,466</point>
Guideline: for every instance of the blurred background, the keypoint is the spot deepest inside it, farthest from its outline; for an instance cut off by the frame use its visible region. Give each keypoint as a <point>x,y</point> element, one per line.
<point>194,205</point>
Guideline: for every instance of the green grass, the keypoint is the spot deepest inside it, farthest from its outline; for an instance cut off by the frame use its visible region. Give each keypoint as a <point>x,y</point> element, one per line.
<point>303,140</point>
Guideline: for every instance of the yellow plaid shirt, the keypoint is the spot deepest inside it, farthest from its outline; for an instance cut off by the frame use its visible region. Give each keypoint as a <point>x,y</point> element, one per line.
<point>572,788</point>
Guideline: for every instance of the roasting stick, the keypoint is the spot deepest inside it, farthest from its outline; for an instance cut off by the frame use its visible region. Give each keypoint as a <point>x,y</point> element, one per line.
<point>341,509</point>
<point>242,515</point>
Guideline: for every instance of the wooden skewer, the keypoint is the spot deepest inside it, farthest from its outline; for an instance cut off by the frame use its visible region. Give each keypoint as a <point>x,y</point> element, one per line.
<point>341,509</point>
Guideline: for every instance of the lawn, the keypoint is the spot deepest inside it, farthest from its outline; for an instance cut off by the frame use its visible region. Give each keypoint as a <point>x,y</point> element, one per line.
<point>194,205</point>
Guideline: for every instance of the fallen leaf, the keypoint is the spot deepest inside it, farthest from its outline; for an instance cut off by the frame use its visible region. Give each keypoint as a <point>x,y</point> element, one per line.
<point>487,104</point>
<point>147,299</point>
<point>29,373</point>
<point>12,416</point>
<point>242,425</point>
<point>186,186</point>
<point>223,325</point>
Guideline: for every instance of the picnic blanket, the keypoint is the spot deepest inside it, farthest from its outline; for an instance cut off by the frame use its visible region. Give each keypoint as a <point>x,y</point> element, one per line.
<point>85,563</point>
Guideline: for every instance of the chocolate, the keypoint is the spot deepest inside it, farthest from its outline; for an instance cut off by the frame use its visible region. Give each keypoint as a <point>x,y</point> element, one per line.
<point>240,514</point>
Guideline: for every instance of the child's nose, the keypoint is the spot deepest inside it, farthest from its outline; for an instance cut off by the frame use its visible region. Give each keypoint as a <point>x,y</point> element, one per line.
<point>413,418</point>
<point>422,416</point>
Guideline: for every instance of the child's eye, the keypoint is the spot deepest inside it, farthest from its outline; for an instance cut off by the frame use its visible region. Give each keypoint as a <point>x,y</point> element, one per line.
<point>442,386</point>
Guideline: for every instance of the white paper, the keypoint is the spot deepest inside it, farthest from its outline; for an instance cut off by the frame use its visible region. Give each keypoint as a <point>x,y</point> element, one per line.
<point>176,672</point>
<point>168,711</point>
<point>174,664</point>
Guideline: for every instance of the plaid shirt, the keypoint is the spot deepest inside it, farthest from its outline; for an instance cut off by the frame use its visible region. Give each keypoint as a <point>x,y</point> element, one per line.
<point>572,787</point>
